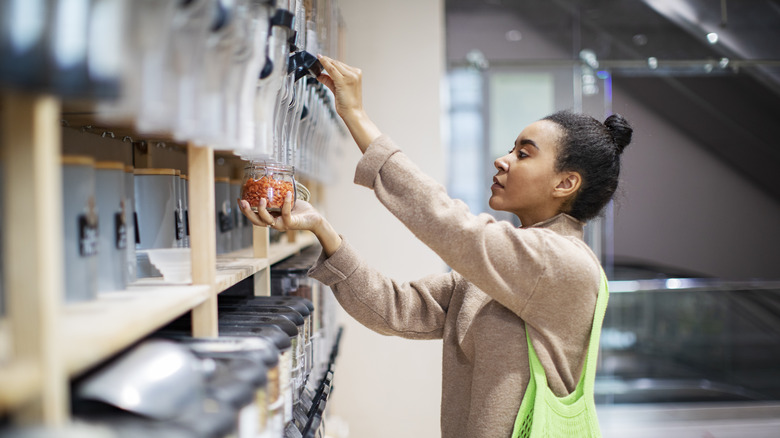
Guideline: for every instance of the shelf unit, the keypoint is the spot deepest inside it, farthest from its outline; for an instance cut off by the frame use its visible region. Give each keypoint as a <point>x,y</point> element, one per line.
<point>43,343</point>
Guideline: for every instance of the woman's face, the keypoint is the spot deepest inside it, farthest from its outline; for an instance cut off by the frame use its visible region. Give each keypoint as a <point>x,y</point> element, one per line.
<point>526,176</point>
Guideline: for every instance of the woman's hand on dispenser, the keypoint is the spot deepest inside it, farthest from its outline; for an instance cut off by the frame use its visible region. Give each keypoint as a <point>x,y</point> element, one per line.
<point>346,83</point>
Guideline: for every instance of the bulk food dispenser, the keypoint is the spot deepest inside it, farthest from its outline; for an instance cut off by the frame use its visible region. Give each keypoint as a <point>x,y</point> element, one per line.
<point>175,80</point>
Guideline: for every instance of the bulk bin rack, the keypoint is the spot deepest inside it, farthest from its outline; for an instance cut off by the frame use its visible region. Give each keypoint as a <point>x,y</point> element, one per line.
<point>44,343</point>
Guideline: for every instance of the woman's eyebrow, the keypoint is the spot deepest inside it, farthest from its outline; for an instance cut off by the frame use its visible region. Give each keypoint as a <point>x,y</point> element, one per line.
<point>527,141</point>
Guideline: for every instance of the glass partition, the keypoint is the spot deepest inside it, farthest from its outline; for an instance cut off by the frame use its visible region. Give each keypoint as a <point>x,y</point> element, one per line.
<point>690,340</point>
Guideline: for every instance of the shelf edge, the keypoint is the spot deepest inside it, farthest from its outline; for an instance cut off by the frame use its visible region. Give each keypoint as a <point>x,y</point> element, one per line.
<point>20,381</point>
<point>119,319</point>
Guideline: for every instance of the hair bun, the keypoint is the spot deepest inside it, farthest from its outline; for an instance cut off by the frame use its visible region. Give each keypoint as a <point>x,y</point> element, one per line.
<point>620,130</point>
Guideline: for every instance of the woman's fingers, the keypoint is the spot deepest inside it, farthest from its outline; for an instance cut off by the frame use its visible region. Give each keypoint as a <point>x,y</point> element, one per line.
<point>331,74</point>
<point>344,68</point>
<point>338,71</point>
<point>266,220</point>
<point>287,210</point>
<point>264,214</point>
<point>251,215</point>
<point>327,81</point>
<point>331,67</point>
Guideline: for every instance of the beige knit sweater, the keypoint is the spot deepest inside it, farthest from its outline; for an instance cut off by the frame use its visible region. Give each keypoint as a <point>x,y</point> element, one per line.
<point>503,280</point>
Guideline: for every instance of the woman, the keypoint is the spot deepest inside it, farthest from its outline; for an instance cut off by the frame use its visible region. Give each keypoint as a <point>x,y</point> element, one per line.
<point>542,277</point>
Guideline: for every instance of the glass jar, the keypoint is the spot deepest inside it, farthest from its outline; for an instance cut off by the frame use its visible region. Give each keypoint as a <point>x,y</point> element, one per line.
<point>269,181</point>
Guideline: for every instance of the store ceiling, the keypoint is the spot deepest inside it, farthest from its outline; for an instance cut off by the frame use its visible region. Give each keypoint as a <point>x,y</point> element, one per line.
<point>720,94</point>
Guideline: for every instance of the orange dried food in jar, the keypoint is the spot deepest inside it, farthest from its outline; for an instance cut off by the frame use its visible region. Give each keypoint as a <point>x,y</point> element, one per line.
<point>273,190</point>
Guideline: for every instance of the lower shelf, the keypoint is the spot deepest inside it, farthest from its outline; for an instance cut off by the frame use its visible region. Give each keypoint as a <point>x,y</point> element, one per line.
<point>93,331</point>
<point>281,250</point>
<point>96,330</point>
<point>20,381</point>
<point>117,319</point>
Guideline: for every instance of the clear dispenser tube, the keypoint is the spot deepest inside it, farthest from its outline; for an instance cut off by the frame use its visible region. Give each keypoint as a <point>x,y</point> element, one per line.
<point>258,28</point>
<point>107,48</point>
<point>304,41</point>
<point>152,30</point>
<point>143,45</point>
<point>280,114</point>
<point>243,53</point>
<point>217,74</point>
<point>68,35</point>
<point>191,30</point>
<point>269,87</point>
<point>24,52</point>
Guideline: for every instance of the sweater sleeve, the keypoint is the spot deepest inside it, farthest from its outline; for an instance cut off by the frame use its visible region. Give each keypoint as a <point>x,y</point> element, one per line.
<point>414,310</point>
<point>505,262</point>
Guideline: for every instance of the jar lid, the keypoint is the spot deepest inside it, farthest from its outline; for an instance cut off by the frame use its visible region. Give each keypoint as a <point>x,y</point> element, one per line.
<point>302,192</point>
<point>154,171</point>
<point>184,177</point>
<point>235,182</point>
<point>129,168</point>
<point>110,165</point>
<point>78,160</point>
<point>276,167</point>
<point>222,179</point>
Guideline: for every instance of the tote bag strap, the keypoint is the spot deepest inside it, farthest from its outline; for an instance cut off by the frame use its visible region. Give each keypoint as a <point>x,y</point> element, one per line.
<point>591,360</point>
<point>588,376</point>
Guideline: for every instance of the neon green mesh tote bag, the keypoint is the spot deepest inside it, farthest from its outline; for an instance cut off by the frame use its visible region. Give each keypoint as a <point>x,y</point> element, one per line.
<point>542,414</point>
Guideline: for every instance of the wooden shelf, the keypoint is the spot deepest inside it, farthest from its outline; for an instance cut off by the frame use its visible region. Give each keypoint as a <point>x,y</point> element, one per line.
<point>240,265</point>
<point>96,330</point>
<point>20,381</point>
<point>5,341</point>
<point>237,266</point>
<point>116,320</point>
<point>281,250</point>
<point>44,344</point>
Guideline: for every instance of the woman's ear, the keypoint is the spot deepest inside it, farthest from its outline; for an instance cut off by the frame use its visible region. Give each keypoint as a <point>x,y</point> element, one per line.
<point>568,185</point>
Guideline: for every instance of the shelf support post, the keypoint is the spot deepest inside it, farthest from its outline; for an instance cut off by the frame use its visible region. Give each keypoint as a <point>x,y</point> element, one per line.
<point>33,247</point>
<point>203,240</point>
<point>261,244</point>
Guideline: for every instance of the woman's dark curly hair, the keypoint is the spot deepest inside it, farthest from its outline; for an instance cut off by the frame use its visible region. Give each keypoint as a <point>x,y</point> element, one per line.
<point>592,149</point>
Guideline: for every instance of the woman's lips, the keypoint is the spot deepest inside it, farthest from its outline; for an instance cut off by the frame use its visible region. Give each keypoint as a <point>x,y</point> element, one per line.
<point>496,184</point>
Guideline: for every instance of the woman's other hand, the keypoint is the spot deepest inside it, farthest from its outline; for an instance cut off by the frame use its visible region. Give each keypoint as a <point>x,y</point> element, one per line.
<point>346,83</point>
<point>302,217</point>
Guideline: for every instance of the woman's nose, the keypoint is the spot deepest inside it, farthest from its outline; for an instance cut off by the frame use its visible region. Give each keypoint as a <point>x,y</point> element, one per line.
<point>501,164</point>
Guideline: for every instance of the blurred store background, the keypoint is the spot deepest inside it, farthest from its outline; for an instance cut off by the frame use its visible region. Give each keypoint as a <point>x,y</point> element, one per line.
<point>154,108</point>
<point>690,344</point>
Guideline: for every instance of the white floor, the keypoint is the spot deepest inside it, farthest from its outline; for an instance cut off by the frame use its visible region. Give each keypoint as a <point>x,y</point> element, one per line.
<point>710,420</point>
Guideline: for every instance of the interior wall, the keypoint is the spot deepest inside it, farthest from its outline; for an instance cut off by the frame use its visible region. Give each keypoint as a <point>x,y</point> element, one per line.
<point>390,387</point>
<point>681,206</point>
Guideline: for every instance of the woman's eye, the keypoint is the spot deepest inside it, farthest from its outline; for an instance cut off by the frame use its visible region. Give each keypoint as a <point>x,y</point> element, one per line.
<point>522,154</point>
